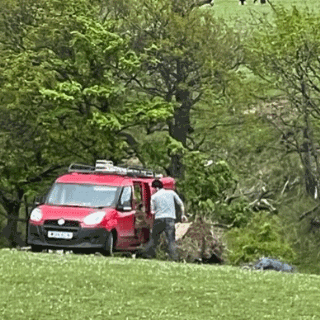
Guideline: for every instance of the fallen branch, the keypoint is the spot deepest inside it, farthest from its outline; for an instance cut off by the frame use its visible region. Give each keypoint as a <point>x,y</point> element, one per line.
<point>309,212</point>
<point>223,226</point>
<point>284,187</point>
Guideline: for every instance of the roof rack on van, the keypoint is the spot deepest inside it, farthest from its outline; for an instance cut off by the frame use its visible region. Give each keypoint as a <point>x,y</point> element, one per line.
<point>77,167</point>
<point>107,167</point>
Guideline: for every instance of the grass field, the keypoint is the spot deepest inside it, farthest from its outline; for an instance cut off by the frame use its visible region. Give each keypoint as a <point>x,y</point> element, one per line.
<point>231,10</point>
<point>67,286</point>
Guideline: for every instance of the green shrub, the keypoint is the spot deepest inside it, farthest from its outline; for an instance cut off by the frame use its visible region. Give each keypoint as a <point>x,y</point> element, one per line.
<point>260,238</point>
<point>304,236</point>
<point>237,214</point>
<point>205,182</point>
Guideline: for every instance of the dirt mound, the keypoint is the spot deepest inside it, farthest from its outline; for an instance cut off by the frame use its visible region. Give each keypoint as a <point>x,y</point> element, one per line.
<point>202,242</point>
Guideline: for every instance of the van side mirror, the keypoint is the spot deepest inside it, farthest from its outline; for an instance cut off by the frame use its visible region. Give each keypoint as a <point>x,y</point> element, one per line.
<point>39,200</point>
<point>124,208</point>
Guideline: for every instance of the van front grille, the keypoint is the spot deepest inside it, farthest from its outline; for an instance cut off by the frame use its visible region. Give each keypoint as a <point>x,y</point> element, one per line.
<point>69,225</point>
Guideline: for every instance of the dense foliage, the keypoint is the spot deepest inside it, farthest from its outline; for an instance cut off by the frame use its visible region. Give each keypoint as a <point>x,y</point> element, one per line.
<point>261,237</point>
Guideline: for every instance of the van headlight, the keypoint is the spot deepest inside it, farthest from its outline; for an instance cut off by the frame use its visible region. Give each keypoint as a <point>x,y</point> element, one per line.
<point>36,215</point>
<point>94,218</point>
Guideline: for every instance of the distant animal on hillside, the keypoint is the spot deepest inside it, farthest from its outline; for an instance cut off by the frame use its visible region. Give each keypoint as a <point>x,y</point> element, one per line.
<point>261,1</point>
<point>242,2</point>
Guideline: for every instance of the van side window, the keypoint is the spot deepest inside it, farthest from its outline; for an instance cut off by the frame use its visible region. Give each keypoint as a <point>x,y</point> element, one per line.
<point>138,196</point>
<point>126,197</point>
<point>137,193</point>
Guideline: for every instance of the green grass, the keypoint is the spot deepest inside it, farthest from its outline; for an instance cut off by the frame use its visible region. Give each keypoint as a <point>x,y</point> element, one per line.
<point>231,10</point>
<point>66,286</point>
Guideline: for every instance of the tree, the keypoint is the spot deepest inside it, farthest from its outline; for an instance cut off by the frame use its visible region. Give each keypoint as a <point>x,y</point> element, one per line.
<point>63,97</point>
<point>23,158</point>
<point>185,54</point>
<point>285,54</point>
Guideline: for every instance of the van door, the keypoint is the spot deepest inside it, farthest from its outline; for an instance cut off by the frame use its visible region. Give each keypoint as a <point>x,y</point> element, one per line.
<point>126,217</point>
<point>142,215</point>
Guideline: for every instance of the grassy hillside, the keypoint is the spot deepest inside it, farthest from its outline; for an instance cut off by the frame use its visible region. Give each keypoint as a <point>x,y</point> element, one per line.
<point>230,9</point>
<point>57,286</point>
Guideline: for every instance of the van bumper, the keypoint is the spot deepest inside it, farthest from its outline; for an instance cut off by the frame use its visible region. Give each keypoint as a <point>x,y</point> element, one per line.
<point>82,238</point>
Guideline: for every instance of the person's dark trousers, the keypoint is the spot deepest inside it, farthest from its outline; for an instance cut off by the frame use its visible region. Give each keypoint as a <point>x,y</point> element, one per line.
<point>168,226</point>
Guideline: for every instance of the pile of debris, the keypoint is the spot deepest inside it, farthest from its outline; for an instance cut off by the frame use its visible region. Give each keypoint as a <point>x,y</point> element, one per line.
<point>269,264</point>
<point>198,241</point>
<point>273,264</point>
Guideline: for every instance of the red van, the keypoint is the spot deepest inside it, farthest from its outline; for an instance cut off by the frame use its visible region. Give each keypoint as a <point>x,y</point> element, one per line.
<point>104,208</point>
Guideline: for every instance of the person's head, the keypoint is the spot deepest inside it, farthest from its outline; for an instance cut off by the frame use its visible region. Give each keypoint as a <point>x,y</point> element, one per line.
<point>157,184</point>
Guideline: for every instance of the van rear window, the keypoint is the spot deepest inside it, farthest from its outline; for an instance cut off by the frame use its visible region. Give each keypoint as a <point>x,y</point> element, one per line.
<point>83,195</point>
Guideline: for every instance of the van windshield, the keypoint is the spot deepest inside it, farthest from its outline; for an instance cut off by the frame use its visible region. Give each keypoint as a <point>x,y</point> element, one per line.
<point>83,195</point>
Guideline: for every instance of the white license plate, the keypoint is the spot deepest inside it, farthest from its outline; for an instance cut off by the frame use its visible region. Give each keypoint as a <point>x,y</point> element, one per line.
<point>60,235</point>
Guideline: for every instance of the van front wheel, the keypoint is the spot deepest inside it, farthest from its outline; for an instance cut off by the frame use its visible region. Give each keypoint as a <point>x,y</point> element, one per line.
<point>36,248</point>
<point>109,245</point>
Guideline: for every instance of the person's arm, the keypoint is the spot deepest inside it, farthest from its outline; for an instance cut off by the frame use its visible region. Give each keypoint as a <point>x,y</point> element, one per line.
<point>153,206</point>
<point>180,203</point>
<point>150,218</point>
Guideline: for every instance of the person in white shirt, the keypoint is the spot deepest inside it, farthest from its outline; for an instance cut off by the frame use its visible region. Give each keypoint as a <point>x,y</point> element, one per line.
<point>163,208</point>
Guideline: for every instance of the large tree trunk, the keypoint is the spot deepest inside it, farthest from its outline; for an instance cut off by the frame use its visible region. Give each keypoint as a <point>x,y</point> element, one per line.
<point>179,129</point>
<point>309,160</point>
<point>12,208</point>
<point>310,179</point>
<point>308,155</point>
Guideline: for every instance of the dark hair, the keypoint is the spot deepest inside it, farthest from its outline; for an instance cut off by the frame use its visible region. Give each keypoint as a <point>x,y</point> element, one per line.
<point>157,184</point>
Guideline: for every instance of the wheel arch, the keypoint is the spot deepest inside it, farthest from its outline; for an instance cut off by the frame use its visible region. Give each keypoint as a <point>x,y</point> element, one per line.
<point>115,237</point>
